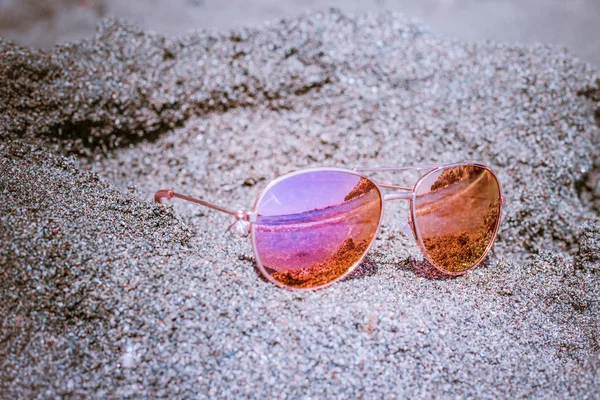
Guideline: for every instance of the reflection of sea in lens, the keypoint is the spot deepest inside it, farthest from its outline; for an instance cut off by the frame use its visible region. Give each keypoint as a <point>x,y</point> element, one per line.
<point>314,227</point>
<point>457,212</point>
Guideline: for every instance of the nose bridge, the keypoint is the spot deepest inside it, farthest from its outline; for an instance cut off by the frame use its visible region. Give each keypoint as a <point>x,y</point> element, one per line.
<point>398,196</point>
<point>400,192</point>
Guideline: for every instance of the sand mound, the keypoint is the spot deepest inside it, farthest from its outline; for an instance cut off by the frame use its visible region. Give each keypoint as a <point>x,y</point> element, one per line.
<point>105,294</point>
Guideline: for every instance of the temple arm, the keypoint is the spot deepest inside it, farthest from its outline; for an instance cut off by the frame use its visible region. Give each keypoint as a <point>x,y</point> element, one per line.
<point>161,194</point>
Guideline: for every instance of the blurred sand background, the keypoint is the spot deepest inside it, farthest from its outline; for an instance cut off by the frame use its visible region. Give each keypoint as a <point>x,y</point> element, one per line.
<point>571,23</point>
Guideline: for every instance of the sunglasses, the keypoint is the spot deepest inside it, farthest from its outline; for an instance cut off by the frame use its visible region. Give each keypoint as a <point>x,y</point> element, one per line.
<point>313,227</point>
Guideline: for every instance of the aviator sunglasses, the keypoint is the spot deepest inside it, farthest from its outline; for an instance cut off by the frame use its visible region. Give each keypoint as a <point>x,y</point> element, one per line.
<point>313,227</point>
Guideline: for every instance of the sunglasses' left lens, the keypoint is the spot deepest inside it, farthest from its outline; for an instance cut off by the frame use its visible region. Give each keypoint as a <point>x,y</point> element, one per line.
<point>315,226</point>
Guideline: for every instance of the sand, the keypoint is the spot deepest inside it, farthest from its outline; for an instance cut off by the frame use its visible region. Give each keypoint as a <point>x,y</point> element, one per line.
<point>105,294</point>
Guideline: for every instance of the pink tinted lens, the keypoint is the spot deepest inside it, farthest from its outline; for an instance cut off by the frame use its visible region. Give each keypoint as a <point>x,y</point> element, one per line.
<point>457,213</point>
<point>315,226</point>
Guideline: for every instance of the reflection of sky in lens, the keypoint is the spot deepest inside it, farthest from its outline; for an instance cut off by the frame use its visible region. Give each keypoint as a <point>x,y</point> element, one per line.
<point>306,192</point>
<point>457,207</point>
<point>426,184</point>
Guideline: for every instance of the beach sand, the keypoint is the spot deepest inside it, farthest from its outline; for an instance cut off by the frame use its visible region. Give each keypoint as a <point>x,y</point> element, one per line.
<point>104,294</point>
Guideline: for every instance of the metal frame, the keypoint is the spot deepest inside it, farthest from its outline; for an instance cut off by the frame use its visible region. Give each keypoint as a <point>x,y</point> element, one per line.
<point>409,193</point>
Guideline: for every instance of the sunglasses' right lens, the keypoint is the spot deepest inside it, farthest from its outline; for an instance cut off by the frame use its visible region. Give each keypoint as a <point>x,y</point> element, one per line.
<point>457,213</point>
<point>314,227</point>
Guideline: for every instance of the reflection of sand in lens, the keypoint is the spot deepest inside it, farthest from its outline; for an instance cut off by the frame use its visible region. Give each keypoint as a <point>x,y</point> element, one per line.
<point>457,212</point>
<point>332,268</point>
<point>313,244</point>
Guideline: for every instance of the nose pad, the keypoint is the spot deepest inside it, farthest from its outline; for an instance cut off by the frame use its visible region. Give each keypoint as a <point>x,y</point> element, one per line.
<point>242,223</point>
<point>240,227</point>
<point>407,229</point>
